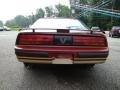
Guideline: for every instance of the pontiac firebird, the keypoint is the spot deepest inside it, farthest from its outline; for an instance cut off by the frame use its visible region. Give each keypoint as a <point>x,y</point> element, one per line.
<point>60,41</point>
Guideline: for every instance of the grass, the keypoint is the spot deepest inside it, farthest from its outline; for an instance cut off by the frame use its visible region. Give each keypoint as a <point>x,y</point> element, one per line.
<point>14,29</point>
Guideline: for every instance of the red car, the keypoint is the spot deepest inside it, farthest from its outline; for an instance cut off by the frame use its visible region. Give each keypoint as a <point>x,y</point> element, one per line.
<point>60,41</point>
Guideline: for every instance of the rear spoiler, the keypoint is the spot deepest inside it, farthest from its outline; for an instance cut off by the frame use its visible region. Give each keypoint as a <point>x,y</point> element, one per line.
<point>58,30</point>
<point>34,29</point>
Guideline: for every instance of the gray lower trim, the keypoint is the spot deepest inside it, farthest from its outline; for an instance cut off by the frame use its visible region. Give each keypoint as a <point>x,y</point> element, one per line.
<point>88,62</point>
<point>93,55</point>
<point>51,62</point>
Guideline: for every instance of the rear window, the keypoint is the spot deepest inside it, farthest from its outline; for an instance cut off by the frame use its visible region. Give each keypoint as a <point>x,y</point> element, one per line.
<point>95,28</point>
<point>59,24</point>
<point>116,27</point>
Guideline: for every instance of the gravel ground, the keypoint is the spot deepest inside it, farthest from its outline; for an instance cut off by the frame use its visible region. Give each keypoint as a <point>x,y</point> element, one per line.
<point>14,76</point>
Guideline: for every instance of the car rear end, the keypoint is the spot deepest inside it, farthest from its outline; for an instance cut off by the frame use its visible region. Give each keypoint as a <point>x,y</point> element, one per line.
<point>46,48</point>
<point>61,47</point>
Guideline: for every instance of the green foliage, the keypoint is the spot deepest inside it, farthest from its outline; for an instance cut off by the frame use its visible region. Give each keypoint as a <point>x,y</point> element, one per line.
<point>84,1</point>
<point>62,11</point>
<point>31,19</point>
<point>15,29</point>
<point>59,11</point>
<point>49,11</point>
<point>21,21</point>
<point>116,4</point>
<point>40,13</point>
<point>93,19</point>
<point>11,23</point>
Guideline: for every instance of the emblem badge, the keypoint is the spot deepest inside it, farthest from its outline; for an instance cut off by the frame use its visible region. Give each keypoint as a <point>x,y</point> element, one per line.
<point>62,40</point>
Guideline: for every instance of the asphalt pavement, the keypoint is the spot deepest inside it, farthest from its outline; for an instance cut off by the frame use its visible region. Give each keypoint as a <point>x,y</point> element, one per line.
<point>14,76</point>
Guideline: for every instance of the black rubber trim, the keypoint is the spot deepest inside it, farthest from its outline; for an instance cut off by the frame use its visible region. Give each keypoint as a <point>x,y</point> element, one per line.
<point>117,34</point>
<point>31,53</point>
<point>93,55</point>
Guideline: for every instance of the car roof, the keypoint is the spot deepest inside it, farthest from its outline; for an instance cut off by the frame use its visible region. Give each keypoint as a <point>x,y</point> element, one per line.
<point>116,27</point>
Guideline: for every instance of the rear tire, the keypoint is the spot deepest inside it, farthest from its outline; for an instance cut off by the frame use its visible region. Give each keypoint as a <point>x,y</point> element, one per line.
<point>27,65</point>
<point>89,65</point>
<point>112,35</point>
<point>109,35</point>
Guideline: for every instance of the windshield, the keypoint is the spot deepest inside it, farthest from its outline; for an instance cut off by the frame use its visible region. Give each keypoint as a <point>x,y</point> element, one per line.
<point>59,24</point>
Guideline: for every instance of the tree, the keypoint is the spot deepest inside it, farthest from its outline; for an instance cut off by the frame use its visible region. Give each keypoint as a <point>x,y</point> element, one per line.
<point>116,4</point>
<point>11,23</point>
<point>21,21</point>
<point>31,19</point>
<point>83,1</point>
<point>1,23</point>
<point>62,11</point>
<point>25,21</point>
<point>95,19</point>
<point>40,13</point>
<point>49,11</point>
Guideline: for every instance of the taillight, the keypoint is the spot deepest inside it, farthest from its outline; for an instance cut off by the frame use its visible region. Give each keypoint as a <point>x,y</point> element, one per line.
<point>89,41</point>
<point>35,40</point>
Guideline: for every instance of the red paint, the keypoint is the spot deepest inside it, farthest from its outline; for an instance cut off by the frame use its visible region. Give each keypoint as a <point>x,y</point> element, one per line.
<point>63,51</point>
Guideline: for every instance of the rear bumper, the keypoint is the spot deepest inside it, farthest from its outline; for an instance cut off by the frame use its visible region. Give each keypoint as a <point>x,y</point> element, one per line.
<point>40,61</point>
<point>116,34</point>
<point>47,56</point>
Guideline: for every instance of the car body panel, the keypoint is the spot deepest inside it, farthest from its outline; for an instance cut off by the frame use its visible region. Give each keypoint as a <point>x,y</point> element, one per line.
<point>62,51</point>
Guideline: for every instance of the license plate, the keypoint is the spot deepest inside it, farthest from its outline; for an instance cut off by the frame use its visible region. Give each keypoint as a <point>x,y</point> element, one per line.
<point>64,56</point>
<point>63,40</point>
<point>62,61</point>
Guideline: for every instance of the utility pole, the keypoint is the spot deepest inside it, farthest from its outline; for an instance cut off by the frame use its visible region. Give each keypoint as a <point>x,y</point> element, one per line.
<point>113,4</point>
